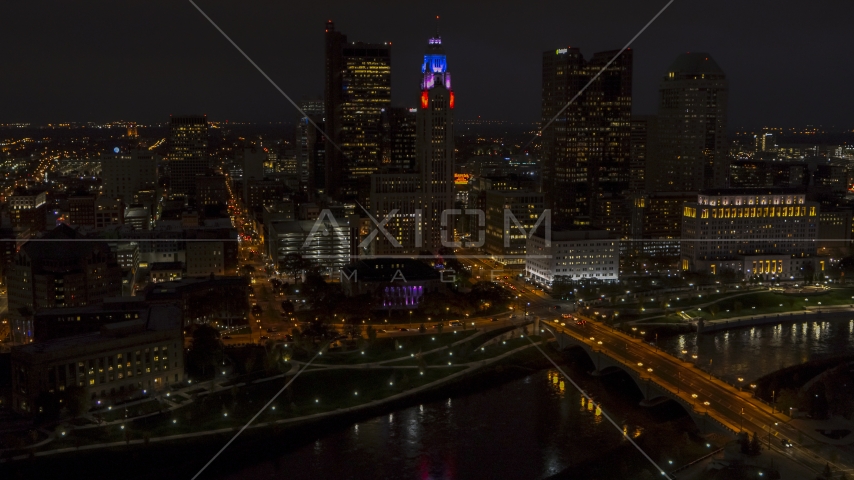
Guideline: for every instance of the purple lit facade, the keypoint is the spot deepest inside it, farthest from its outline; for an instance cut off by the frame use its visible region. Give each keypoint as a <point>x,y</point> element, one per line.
<point>403,296</point>
<point>435,66</point>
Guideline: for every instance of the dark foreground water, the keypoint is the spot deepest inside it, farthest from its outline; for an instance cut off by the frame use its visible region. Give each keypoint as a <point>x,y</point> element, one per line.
<point>533,427</point>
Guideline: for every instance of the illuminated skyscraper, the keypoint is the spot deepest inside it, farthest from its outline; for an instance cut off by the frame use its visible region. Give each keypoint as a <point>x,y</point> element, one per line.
<point>188,156</point>
<point>358,89</point>
<point>587,148</point>
<point>434,147</point>
<point>687,152</point>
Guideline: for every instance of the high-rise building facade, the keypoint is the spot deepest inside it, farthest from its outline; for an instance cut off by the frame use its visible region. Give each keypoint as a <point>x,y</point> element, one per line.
<point>689,148</point>
<point>434,147</point>
<point>398,138</point>
<point>586,148</point>
<point>188,144</point>
<point>358,89</point>
<point>124,174</point>
<point>313,109</point>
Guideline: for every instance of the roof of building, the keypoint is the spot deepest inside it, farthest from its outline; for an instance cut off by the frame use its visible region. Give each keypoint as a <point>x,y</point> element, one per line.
<point>386,269</point>
<point>695,62</point>
<point>159,318</point>
<point>157,266</point>
<point>753,191</point>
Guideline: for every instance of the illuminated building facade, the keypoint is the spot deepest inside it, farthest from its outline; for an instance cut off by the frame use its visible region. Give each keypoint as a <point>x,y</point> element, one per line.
<point>434,148</point>
<point>574,254</point>
<point>688,150</point>
<point>399,193</point>
<point>504,241</point>
<point>587,148</point>
<point>769,232</point>
<point>358,89</point>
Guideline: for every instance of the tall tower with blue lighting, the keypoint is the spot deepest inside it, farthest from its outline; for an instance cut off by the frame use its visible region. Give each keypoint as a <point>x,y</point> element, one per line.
<point>434,148</point>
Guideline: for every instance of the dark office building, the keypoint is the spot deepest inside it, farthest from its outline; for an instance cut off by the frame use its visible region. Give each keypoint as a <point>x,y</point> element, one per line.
<point>398,138</point>
<point>688,150</point>
<point>587,148</point>
<point>188,144</point>
<point>358,89</point>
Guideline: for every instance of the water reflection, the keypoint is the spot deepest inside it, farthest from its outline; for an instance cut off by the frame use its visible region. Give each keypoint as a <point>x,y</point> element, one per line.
<point>533,427</point>
<point>756,351</point>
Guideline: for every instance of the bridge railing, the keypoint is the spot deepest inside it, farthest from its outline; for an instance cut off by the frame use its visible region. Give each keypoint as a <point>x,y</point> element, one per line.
<point>670,390</point>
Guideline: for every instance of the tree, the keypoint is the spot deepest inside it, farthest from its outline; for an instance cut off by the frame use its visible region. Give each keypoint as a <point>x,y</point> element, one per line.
<point>76,401</point>
<point>206,352</point>
<point>755,446</point>
<point>372,333</point>
<point>809,272</point>
<point>714,309</point>
<point>288,307</point>
<point>744,441</point>
<point>737,306</point>
<point>422,328</point>
<point>827,472</point>
<point>293,264</point>
<point>439,328</point>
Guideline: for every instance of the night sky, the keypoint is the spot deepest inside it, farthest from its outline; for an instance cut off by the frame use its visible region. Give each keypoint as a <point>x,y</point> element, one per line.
<point>788,62</point>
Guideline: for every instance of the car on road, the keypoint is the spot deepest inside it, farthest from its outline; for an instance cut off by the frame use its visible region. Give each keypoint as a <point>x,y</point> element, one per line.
<point>439,325</point>
<point>226,337</point>
<point>581,322</point>
<point>382,330</point>
<point>271,329</point>
<point>403,329</point>
<point>557,307</point>
<point>456,323</point>
<point>512,316</point>
<point>264,337</point>
<point>786,443</point>
<point>493,319</point>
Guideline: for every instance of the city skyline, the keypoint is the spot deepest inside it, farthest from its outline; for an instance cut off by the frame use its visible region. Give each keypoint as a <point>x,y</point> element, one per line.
<point>140,77</point>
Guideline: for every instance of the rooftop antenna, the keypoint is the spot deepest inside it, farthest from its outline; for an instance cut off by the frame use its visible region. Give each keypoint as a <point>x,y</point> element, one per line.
<point>437,26</point>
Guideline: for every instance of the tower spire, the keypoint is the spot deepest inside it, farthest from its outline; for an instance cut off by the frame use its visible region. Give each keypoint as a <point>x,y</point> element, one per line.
<point>437,26</point>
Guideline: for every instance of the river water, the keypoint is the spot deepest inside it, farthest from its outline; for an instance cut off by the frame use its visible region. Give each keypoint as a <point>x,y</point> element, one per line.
<point>752,352</point>
<point>532,427</point>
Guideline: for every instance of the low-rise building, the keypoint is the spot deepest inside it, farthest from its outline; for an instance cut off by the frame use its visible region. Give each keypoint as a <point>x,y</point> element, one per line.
<point>166,272</point>
<point>398,283</point>
<point>574,254</point>
<point>123,359</point>
<point>752,231</point>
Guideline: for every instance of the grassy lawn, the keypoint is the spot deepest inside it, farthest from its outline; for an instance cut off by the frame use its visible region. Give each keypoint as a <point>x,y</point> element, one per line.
<point>139,409</point>
<point>312,392</point>
<point>769,302</point>
<point>683,300</point>
<point>667,319</point>
<point>384,348</point>
<point>496,349</point>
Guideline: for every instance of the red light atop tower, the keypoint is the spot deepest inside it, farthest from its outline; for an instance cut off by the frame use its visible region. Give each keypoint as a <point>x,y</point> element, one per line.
<point>451,102</point>
<point>425,100</point>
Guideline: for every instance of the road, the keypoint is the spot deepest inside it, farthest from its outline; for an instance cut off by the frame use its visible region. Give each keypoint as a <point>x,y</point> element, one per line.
<point>724,403</point>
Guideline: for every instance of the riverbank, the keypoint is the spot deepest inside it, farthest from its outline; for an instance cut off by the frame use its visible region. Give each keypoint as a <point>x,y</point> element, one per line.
<point>499,393</point>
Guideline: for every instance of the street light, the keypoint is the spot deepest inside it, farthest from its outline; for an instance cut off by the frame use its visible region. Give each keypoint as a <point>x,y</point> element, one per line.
<point>410,319</point>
